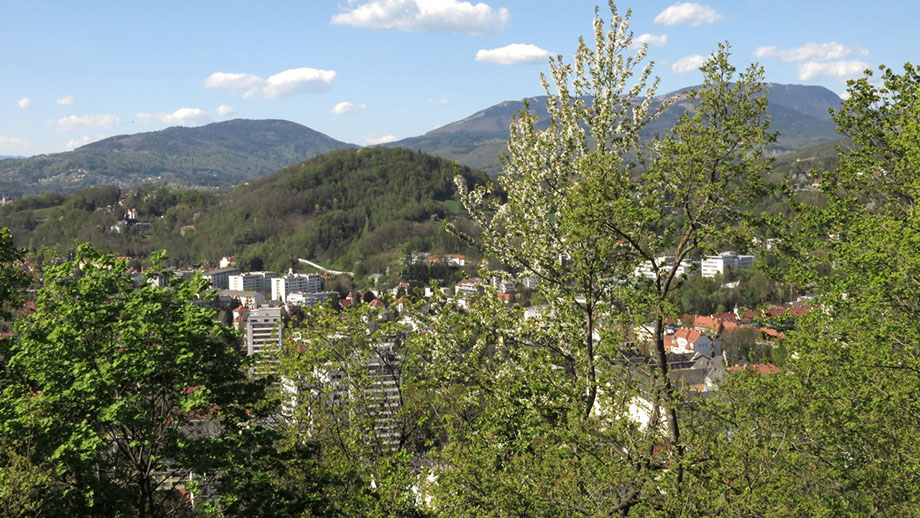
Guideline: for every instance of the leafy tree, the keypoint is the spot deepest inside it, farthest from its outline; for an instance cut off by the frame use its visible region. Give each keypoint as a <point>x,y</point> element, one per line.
<point>543,428</point>
<point>125,390</point>
<point>354,399</point>
<point>854,363</point>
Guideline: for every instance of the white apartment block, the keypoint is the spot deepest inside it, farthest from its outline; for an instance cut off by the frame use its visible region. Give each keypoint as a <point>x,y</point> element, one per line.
<point>713,265</point>
<point>295,282</point>
<point>252,281</point>
<point>220,279</point>
<point>264,334</point>
<point>310,299</point>
<point>665,264</point>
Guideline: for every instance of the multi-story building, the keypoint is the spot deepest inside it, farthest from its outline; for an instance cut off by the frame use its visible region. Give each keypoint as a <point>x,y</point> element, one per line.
<point>252,281</point>
<point>717,264</point>
<point>665,263</point>
<point>264,335</point>
<point>310,299</point>
<point>296,282</point>
<point>220,279</point>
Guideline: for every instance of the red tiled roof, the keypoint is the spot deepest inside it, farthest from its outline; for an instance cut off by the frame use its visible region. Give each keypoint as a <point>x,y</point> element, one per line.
<point>759,368</point>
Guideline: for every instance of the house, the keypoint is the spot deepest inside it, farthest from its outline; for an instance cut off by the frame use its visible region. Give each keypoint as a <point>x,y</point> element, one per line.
<point>691,341</point>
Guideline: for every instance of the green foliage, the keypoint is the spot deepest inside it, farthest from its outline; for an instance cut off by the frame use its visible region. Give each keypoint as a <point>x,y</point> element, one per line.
<point>119,385</point>
<point>356,398</point>
<point>855,362</point>
<point>541,422</point>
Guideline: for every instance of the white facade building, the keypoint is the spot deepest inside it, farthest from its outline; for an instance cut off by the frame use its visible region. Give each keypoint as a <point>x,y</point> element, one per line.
<point>665,263</point>
<point>264,335</point>
<point>310,299</point>
<point>295,282</point>
<point>252,281</point>
<point>713,265</point>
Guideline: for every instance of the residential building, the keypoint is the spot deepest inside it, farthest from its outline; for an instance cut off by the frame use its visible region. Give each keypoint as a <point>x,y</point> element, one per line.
<point>310,299</point>
<point>220,279</point>
<point>264,336</point>
<point>718,264</point>
<point>252,281</point>
<point>665,263</point>
<point>295,282</point>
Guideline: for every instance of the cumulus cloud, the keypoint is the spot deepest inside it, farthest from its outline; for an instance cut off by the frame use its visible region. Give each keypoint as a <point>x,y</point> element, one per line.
<point>688,64</point>
<point>24,103</point>
<point>180,116</point>
<point>287,82</point>
<point>98,120</point>
<point>183,115</point>
<point>297,80</point>
<point>651,40</point>
<point>382,140</point>
<point>842,69</point>
<point>232,81</point>
<point>425,15</point>
<point>811,52</point>
<point>514,54</point>
<point>687,13</point>
<point>223,109</point>
<point>345,107</point>
<point>12,143</point>
<point>75,143</point>
<point>65,101</point>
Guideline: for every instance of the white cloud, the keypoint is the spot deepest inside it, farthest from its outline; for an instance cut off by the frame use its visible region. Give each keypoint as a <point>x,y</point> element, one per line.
<point>844,95</point>
<point>223,109</point>
<point>65,101</point>
<point>382,140</point>
<point>345,107</point>
<point>12,143</point>
<point>284,83</point>
<point>24,103</point>
<point>687,13</point>
<point>183,115</point>
<point>811,52</point>
<point>99,120</point>
<point>651,40</point>
<point>514,54</point>
<point>297,80</point>
<point>75,143</point>
<point>426,15</point>
<point>843,69</point>
<point>232,81</point>
<point>439,101</point>
<point>688,64</point>
<point>180,116</point>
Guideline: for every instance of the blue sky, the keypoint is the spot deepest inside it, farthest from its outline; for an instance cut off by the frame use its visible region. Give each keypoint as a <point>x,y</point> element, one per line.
<point>367,71</point>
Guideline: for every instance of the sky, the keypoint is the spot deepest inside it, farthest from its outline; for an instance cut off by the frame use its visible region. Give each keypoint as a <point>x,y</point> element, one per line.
<point>372,71</point>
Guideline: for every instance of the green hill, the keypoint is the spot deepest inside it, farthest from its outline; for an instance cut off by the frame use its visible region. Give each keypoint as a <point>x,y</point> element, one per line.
<point>353,209</point>
<point>221,154</point>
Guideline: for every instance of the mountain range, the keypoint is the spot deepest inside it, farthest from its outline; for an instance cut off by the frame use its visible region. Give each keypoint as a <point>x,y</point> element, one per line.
<point>224,154</point>
<point>800,114</point>
<point>218,155</point>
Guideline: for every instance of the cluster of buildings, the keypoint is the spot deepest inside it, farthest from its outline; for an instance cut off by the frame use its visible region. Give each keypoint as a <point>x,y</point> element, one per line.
<point>709,266</point>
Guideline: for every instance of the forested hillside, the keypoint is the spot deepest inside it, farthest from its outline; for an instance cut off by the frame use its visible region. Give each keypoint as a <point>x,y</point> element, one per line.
<point>354,208</point>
